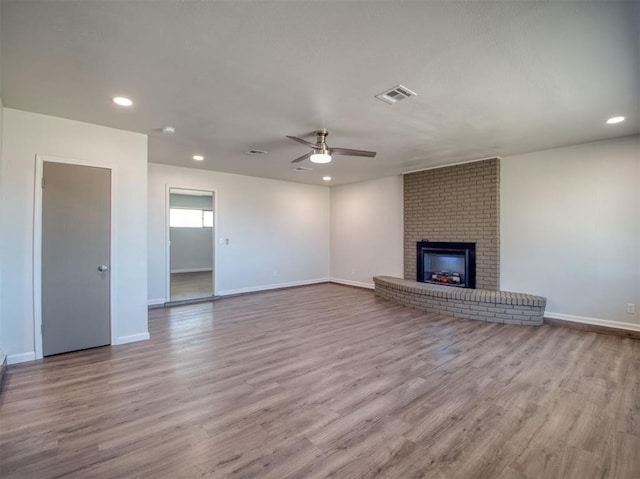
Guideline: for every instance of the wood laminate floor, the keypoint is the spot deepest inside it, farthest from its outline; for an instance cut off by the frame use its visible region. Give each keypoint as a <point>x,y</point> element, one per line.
<point>191,285</point>
<point>328,381</point>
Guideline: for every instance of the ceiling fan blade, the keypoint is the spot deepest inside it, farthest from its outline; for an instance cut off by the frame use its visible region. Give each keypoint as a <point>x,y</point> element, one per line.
<point>300,140</point>
<point>303,157</point>
<point>350,152</point>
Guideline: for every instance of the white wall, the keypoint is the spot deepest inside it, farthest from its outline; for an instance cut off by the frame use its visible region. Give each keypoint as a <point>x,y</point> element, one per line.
<point>367,231</point>
<point>278,231</point>
<point>570,229</point>
<point>27,134</point>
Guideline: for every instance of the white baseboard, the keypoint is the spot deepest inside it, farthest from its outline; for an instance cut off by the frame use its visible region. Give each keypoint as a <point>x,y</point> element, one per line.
<point>31,356</point>
<point>254,289</point>
<point>21,357</point>
<point>353,283</point>
<point>133,338</point>
<point>594,321</point>
<point>191,270</point>
<point>157,302</point>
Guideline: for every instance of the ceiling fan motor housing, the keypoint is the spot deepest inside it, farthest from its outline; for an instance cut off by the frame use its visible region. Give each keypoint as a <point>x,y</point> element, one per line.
<point>321,136</point>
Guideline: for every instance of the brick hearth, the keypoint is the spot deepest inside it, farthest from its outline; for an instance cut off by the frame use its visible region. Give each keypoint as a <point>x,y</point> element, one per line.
<point>478,304</point>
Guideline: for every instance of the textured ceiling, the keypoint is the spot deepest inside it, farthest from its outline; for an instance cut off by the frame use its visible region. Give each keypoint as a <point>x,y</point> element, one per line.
<point>493,78</point>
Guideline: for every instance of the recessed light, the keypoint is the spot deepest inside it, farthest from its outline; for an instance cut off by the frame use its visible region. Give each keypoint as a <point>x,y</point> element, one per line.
<point>168,130</point>
<point>615,119</point>
<point>122,101</point>
<point>198,157</point>
<point>326,178</point>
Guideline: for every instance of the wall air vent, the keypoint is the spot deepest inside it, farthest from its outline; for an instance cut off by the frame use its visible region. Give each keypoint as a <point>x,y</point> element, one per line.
<point>255,152</point>
<point>396,94</point>
<point>302,169</point>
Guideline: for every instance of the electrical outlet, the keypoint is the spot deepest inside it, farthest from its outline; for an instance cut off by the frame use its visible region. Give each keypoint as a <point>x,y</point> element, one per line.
<point>631,308</point>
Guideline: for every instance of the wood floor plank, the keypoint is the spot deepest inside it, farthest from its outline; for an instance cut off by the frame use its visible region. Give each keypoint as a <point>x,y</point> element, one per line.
<point>327,381</point>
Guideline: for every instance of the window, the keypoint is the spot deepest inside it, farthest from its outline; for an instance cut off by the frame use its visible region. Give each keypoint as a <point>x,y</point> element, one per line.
<point>207,219</point>
<point>190,218</point>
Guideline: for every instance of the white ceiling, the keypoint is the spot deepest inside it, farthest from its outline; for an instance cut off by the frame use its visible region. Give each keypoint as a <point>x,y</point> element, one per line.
<point>493,78</point>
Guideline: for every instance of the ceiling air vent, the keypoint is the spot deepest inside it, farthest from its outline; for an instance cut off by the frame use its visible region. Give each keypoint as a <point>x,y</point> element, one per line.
<point>302,169</point>
<point>396,94</point>
<point>255,152</point>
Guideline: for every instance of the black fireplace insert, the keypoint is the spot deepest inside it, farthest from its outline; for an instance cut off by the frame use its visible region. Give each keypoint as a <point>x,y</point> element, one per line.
<point>450,264</point>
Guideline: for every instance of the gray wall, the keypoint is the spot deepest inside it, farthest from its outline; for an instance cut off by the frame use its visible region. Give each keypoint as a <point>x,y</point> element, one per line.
<point>189,201</point>
<point>191,249</point>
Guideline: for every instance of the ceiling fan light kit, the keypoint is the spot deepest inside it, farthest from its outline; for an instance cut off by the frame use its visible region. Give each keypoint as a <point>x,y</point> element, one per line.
<point>321,153</point>
<point>320,158</point>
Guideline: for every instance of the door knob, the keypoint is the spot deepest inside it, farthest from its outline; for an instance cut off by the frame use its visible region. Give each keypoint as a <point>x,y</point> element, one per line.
<point>103,267</point>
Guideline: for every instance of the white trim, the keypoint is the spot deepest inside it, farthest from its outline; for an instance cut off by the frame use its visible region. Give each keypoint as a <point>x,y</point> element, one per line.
<point>191,270</point>
<point>253,289</point>
<point>167,241</point>
<point>37,259</point>
<point>352,283</point>
<point>451,164</point>
<point>157,302</point>
<point>133,338</point>
<point>594,321</point>
<point>37,247</point>
<point>21,357</point>
<point>214,235</point>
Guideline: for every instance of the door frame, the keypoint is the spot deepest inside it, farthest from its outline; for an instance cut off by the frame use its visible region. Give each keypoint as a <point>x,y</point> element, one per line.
<point>37,246</point>
<point>167,236</point>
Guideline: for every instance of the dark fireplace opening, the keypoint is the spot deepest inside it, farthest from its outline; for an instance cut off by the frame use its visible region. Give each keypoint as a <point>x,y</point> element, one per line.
<point>450,264</point>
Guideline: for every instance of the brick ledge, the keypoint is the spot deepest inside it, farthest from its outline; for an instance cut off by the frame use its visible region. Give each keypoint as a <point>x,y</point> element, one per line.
<point>483,305</point>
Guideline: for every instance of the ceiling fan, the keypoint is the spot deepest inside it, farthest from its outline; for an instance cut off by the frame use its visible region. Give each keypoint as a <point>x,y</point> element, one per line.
<point>321,152</point>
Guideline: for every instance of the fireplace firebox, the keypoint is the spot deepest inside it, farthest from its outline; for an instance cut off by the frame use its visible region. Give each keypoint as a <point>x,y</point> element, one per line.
<point>450,264</point>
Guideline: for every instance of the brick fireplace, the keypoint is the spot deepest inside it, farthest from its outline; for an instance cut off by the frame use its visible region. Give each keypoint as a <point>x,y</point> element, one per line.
<point>457,204</point>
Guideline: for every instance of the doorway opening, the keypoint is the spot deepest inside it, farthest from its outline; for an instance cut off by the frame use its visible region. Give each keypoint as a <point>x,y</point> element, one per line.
<point>191,224</point>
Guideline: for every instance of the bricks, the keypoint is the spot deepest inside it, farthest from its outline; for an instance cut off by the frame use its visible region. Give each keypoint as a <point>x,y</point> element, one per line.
<point>458,203</point>
<point>482,305</point>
